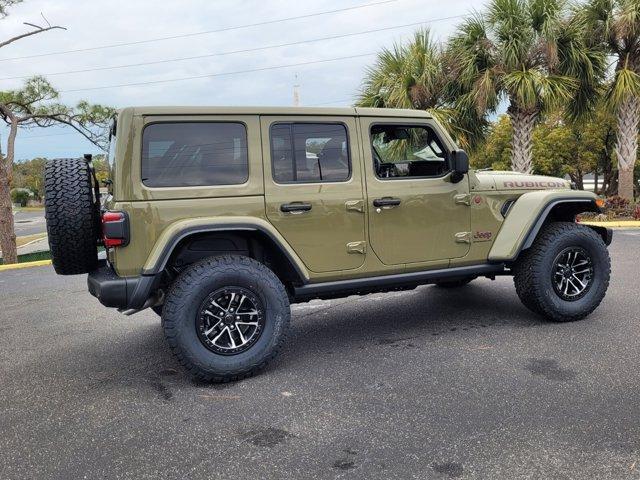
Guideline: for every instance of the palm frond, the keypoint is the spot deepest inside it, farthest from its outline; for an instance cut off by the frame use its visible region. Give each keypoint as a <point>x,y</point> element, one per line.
<point>406,76</point>
<point>625,83</point>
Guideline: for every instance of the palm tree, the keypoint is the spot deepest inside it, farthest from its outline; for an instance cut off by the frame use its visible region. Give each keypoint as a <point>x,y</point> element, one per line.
<point>416,75</point>
<point>530,54</point>
<point>614,26</point>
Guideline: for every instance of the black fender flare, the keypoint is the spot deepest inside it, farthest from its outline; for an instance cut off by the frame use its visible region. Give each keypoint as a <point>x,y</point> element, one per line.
<point>170,246</point>
<point>605,233</point>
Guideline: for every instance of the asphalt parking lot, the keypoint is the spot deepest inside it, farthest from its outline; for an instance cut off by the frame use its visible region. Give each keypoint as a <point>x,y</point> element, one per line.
<point>420,384</point>
<point>29,223</point>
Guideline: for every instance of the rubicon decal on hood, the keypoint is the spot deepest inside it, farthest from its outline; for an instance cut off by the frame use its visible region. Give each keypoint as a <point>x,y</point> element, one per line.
<point>532,184</point>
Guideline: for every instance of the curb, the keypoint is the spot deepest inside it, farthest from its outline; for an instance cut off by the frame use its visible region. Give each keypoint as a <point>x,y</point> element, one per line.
<point>17,266</point>
<point>620,224</point>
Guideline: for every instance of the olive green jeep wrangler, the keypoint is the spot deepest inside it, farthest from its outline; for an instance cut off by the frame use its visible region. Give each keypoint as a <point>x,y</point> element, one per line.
<point>219,218</point>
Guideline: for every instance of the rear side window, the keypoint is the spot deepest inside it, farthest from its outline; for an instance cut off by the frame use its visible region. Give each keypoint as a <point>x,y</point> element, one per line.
<point>194,154</point>
<point>310,152</point>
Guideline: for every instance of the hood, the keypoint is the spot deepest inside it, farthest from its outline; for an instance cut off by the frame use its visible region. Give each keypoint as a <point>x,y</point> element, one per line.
<point>503,180</point>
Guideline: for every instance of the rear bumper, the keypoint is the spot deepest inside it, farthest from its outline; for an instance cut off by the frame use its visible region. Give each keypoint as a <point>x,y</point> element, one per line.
<point>119,292</point>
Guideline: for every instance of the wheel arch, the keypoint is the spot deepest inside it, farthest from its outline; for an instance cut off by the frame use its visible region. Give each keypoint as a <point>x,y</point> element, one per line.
<point>534,210</point>
<point>211,237</point>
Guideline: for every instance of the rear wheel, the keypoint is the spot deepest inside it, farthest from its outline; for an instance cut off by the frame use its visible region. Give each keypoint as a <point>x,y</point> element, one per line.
<point>226,317</point>
<point>565,274</point>
<point>72,214</point>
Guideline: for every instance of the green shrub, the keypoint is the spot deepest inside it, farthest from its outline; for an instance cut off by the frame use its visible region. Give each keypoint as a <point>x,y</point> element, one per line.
<point>20,196</point>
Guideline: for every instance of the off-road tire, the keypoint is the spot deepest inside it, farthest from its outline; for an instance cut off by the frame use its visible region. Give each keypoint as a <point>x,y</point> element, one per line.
<point>533,272</point>
<point>454,283</point>
<point>185,297</point>
<point>72,216</point>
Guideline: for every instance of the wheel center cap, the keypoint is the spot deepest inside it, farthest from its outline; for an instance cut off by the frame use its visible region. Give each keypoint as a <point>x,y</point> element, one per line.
<point>228,318</point>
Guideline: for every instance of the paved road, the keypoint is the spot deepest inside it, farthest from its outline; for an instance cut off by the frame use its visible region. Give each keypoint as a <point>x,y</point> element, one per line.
<point>29,223</point>
<point>421,384</point>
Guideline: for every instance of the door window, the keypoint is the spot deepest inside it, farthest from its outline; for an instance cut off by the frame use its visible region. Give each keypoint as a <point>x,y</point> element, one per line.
<point>401,151</point>
<point>309,153</point>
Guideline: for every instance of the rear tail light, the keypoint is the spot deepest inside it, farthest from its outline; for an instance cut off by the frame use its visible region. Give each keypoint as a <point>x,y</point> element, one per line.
<point>115,229</point>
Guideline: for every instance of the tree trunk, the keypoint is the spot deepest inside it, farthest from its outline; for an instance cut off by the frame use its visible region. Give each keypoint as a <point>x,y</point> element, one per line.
<point>578,178</point>
<point>522,122</point>
<point>613,186</point>
<point>627,144</point>
<point>7,232</point>
<point>625,184</point>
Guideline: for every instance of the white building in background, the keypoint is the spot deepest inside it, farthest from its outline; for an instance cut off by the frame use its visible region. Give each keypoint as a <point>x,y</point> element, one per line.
<point>588,181</point>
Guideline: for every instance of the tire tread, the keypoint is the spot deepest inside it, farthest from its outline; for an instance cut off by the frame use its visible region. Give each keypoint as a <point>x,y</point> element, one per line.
<point>188,280</point>
<point>70,213</point>
<point>529,268</point>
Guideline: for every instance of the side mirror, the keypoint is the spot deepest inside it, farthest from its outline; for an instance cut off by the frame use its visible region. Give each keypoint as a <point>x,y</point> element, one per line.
<point>460,165</point>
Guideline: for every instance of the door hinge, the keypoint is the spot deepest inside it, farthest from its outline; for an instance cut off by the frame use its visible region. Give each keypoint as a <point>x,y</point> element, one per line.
<point>357,247</point>
<point>355,205</point>
<point>462,199</point>
<point>463,237</point>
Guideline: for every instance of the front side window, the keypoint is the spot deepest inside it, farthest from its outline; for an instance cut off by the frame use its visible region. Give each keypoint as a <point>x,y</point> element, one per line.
<point>309,152</point>
<point>407,151</point>
<point>190,154</point>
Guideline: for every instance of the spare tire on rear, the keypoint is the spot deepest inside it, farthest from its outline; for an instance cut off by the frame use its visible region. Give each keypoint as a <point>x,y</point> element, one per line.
<point>72,214</point>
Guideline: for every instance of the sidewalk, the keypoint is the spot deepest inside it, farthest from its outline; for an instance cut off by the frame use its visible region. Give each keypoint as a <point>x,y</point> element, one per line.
<point>39,245</point>
<point>35,246</point>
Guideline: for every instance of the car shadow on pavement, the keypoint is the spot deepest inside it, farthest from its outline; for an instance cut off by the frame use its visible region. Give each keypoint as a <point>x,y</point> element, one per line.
<point>423,315</point>
<point>139,354</point>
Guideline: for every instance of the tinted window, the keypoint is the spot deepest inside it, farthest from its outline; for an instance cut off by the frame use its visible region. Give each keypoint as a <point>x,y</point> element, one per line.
<point>407,151</point>
<point>194,154</point>
<point>309,152</point>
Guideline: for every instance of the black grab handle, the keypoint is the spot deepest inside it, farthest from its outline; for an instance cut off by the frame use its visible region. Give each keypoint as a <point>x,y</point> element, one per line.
<point>295,207</point>
<point>386,202</point>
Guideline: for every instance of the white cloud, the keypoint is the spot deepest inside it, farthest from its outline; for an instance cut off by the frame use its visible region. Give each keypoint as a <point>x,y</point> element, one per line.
<point>94,23</point>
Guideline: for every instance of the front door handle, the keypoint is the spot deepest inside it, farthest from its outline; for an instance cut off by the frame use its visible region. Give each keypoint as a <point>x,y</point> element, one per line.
<point>386,202</point>
<point>295,207</point>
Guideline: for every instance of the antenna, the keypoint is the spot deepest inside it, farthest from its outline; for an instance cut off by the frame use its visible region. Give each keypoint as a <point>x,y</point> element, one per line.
<point>296,92</point>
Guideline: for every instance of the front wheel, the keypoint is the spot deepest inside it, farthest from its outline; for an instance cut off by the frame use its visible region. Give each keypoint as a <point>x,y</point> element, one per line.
<point>226,317</point>
<point>565,274</point>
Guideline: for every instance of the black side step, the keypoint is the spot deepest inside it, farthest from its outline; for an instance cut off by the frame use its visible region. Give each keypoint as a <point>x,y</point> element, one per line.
<point>387,282</point>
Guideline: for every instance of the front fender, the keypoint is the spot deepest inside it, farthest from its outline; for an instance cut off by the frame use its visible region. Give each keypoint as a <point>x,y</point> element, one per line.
<point>528,214</point>
<point>181,229</point>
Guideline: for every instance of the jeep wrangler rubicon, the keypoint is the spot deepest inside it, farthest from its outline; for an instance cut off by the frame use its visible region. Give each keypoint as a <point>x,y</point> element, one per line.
<point>219,218</point>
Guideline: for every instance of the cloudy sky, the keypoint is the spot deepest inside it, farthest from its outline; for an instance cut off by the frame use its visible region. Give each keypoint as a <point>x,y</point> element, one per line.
<point>95,26</point>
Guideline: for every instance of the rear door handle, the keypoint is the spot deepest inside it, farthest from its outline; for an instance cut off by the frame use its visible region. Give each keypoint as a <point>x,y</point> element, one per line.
<point>386,202</point>
<point>295,207</point>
